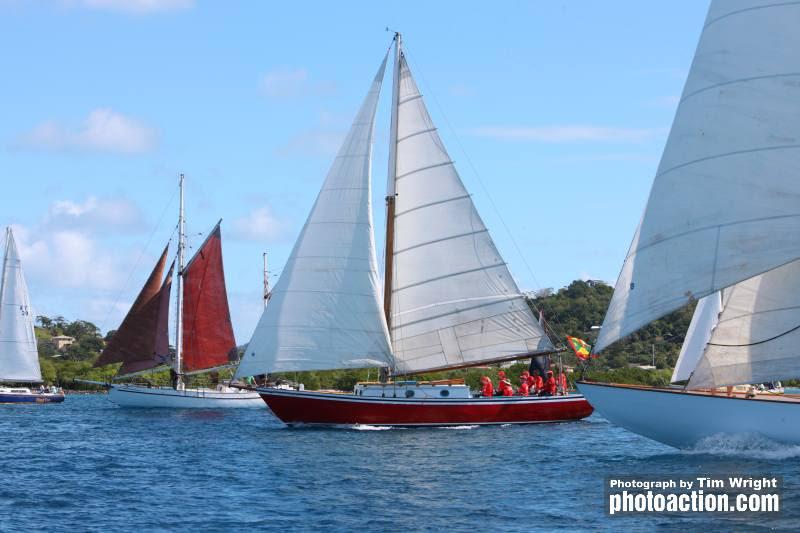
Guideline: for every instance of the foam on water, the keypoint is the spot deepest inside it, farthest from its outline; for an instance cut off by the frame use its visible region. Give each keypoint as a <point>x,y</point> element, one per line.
<point>746,445</point>
<point>459,427</point>
<point>366,427</point>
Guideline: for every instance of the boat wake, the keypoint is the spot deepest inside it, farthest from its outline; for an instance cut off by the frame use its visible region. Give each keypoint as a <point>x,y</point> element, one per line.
<point>365,427</point>
<point>473,426</point>
<point>747,445</point>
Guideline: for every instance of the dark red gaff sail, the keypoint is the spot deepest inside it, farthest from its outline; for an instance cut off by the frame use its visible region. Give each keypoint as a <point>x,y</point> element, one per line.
<point>207,331</point>
<point>141,341</point>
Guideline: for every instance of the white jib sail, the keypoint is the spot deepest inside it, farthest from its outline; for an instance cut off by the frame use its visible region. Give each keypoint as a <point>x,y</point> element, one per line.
<point>725,203</point>
<point>19,358</point>
<point>325,311</point>
<point>758,333</point>
<point>454,301</point>
<point>704,320</point>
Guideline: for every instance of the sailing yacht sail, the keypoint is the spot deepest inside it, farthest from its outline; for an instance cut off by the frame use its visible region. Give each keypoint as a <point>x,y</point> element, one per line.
<point>141,342</point>
<point>704,320</point>
<point>725,202</point>
<point>324,312</point>
<point>19,358</point>
<point>453,300</point>
<point>758,333</point>
<point>207,331</point>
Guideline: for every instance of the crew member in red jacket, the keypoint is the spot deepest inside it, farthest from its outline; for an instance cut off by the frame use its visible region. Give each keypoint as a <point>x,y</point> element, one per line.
<point>524,389</point>
<point>487,389</point>
<point>562,381</point>
<point>550,387</point>
<point>506,388</point>
<point>538,384</point>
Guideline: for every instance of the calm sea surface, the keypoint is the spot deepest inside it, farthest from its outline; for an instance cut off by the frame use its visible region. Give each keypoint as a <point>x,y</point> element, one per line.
<point>87,465</point>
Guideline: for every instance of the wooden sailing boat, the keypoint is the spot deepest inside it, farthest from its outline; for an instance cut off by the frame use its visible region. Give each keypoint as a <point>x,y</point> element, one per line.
<point>19,356</point>
<point>449,301</point>
<point>203,339</point>
<point>722,224</point>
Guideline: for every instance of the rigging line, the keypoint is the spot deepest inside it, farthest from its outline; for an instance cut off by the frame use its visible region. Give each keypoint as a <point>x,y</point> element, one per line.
<point>486,192</point>
<point>139,259</point>
<point>779,335</point>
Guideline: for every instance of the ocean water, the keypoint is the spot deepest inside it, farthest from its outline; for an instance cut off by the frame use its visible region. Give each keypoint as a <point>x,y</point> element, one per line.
<point>86,465</point>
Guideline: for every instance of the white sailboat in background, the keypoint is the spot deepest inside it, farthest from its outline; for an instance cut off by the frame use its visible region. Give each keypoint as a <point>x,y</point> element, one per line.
<point>449,300</point>
<point>722,224</point>
<point>19,356</point>
<point>204,339</point>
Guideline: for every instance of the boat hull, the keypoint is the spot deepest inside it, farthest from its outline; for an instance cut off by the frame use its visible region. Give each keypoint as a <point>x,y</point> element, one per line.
<point>682,419</point>
<point>332,409</point>
<point>145,397</point>
<point>31,397</point>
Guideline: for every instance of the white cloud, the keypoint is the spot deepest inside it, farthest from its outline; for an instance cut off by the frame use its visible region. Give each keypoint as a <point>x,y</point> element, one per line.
<point>132,6</point>
<point>103,130</point>
<point>258,225</point>
<point>67,259</point>
<point>98,215</point>
<point>283,84</point>
<point>567,133</point>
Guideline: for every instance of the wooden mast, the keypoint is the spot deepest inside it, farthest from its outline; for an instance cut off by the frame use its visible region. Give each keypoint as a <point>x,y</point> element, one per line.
<point>390,189</point>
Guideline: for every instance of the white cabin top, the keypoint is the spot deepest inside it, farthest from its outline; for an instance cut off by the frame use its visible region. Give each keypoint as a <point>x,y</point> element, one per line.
<point>414,389</point>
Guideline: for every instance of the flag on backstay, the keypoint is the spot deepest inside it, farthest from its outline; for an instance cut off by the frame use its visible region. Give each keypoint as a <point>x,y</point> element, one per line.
<point>581,348</point>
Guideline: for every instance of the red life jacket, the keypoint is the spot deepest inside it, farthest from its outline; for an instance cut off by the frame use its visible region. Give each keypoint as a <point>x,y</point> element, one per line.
<point>550,387</point>
<point>539,383</point>
<point>508,391</point>
<point>488,389</point>
<point>563,382</point>
<point>523,388</point>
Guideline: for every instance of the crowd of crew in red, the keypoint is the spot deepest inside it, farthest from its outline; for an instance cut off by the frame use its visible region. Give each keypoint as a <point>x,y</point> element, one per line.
<point>529,385</point>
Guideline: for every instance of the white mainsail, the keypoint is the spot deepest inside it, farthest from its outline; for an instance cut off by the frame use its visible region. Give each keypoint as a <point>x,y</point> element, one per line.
<point>725,203</point>
<point>19,358</point>
<point>758,333</point>
<point>325,311</point>
<point>704,320</point>
<point>454,302</point>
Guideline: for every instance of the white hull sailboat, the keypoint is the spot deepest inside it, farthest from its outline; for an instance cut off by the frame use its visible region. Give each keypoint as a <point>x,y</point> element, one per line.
<point>19,356</point>
<point>722,225</point>
<point>188,398</point>
<point>449,300</point>
<point>204,339</point>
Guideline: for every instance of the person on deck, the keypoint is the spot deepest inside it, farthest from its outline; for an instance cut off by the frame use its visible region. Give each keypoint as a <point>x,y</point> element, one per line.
<point>506,388</point>
<point>524,389</point>
<point>487,389</point>
<point>562,382</point>
<point>501,375</point>
<point>538,383</point>
<point>550,387</point>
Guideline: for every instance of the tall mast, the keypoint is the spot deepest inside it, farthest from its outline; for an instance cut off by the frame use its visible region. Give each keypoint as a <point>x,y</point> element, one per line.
<point>5,264</point>
<point>390,186</point>
<point>266,281</point>
<point>179,314</point>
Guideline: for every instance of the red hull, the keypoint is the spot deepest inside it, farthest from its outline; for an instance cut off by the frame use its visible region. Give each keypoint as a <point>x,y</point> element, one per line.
<point>303,407</point>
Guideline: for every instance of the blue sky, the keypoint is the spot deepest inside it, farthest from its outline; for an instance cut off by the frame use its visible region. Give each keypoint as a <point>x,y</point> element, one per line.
<point>562,108</point>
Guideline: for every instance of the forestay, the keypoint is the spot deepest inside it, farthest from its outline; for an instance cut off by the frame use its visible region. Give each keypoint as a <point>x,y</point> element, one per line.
<point>704,320</point>
<point>758,334</point>
<point>19,358</point>
<point>324,312</point>
<point>725,203</point>
<point>454,302</point>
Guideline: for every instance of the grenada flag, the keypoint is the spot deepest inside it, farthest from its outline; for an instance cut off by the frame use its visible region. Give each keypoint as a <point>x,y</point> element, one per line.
<point>581,348</point>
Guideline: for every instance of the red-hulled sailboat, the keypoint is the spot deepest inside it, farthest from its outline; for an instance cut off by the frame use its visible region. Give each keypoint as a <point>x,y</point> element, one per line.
<point>204,338</point>
<point>449,299</point>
